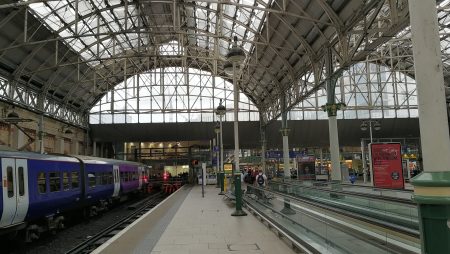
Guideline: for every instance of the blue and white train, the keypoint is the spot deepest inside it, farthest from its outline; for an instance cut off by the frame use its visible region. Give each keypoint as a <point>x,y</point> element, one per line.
<point>38,190</point>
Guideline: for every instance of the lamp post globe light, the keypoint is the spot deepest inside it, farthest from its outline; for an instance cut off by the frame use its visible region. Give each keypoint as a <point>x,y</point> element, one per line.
<point>220,112</point>
<point>376,125</point>
<point>228,69</point>
<point>236,57</point>
<point>236,54</point>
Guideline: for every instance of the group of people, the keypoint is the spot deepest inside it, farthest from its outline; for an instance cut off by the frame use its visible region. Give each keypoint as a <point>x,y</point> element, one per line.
<point>256,177</point>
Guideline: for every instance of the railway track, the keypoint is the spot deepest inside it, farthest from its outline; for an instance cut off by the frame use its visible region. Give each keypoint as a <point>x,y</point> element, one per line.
<point>101,237</point>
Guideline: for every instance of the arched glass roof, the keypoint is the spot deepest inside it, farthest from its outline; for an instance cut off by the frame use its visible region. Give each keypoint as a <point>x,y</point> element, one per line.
<point>369,90</point>
<point>83,23</point>
<point>62,57</point>
<point>171,94</point>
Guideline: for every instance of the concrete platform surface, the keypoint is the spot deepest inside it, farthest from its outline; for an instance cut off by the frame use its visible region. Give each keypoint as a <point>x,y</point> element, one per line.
<point>186,223</point>
<point>205,226</point>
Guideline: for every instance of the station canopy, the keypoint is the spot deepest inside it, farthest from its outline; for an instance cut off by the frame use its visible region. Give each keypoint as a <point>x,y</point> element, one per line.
<point>62,57</point>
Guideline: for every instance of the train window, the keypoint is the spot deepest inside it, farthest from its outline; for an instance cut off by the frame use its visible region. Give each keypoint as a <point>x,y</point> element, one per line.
<point>110,178</point>
<point>104,178</point>
<point>54,181</point>
<point>99,178</point>
<point>42,183</point>
<point>21,181</point>
<point>92,179</point>
<point>66,184</point>
<point>74,179</point>
<point>9,176</point>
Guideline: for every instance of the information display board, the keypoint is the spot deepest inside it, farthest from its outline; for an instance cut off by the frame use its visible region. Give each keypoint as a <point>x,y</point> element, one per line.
<point>386,162</point>
<point>227,168</point>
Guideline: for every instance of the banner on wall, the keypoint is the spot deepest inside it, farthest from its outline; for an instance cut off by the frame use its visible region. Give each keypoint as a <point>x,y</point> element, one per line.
<point>386,162</point>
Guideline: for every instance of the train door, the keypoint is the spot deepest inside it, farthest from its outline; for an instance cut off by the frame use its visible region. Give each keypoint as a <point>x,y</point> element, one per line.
<point>15,191</point>
<point>140,176</point>
<point>116,178</point>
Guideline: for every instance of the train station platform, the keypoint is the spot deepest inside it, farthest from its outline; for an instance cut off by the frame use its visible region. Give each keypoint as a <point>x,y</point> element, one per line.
<point>189,223</point>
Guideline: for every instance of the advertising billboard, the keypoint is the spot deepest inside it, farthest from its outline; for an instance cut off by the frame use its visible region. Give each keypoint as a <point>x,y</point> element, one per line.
<point>306,167</point>
<point>386,162</point>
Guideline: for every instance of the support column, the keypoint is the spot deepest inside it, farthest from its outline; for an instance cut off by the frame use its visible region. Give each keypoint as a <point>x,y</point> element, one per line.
<point>60,146</point>
<point>222,173</point>
<point>332,107</point>
<point>94,149</point>
<point>321,161</point>
<point>334,149</point>
<point>287,170</point>
<point>432,187</point>
<point>262,129</point>
<point>216,154</point>
<point>285,133</point>
<point>76,146</point>
<point>40,135</point>
<point>236,123</point>
<point>363,160</point>
<point>236,175</point>
<point>86,143</point>
<point>16,137</point>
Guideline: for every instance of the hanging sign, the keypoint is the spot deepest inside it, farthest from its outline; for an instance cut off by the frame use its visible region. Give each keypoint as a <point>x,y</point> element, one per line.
<point>386,162</point>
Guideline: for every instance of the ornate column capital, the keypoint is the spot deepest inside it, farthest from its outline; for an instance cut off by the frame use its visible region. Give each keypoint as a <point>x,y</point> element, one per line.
<point>285,131</point>
<point>332,108</point>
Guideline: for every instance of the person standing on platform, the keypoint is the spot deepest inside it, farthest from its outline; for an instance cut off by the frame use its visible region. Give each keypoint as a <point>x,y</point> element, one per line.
<point>261,179</point>
<point>243,185</point>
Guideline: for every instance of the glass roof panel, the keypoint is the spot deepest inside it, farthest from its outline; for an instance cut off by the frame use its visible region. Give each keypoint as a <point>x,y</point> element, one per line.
<point>112,16</point>
<point>60,16</point>
<point>165,93</point>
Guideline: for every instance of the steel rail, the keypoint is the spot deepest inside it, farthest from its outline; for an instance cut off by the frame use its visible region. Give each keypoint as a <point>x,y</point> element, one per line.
<point>95,241</point>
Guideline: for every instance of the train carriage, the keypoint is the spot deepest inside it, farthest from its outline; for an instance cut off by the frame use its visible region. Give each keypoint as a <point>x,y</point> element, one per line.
<point>37,190</point>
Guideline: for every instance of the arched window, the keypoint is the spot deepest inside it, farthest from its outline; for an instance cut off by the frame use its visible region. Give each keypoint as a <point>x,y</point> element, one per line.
<point>369,90</point>
<point>171,94</point>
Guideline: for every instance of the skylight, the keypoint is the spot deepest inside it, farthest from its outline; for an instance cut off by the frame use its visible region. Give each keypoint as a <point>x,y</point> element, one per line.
<point>102,29</point>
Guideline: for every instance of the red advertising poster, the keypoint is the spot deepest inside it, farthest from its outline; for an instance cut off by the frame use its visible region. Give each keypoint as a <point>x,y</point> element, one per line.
<point>387,165</point>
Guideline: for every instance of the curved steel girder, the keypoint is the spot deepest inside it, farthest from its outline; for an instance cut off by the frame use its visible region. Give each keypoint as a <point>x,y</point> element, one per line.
<point>143,70</point>
<point>240,23</point>
<point>111,7</point>
<point>187,4</point>
<point>261,37</point>
<point>331,14</point>
<point>311,54</point>
<point>390,31</point>
<point>257,33</point>
<point>23,64</point>
<point>11,15</point>
<point>306,14</point>
<point>171,62</point>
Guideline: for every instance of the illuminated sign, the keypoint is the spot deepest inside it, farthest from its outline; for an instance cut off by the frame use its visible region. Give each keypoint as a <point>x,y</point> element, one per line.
<point>227,168</point>
<point>386,162</point>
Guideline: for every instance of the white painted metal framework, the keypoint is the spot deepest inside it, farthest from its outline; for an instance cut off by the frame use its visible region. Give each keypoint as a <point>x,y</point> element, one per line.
<point>171,94</point>
<point>73,52</point>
